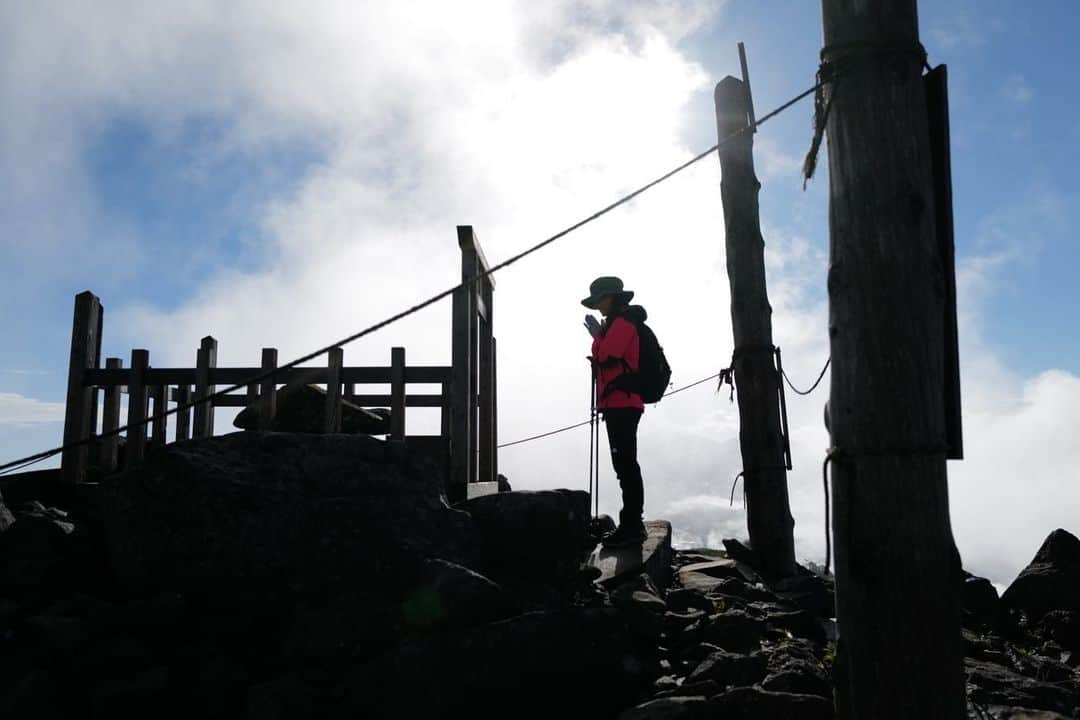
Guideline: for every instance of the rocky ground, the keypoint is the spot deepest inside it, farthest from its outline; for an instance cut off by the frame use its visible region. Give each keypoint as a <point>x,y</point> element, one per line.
<point>275,575</point>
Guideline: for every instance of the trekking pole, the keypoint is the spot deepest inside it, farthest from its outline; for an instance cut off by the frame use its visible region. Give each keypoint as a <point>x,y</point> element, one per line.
<point>596,450</point>
<point>592,424</point>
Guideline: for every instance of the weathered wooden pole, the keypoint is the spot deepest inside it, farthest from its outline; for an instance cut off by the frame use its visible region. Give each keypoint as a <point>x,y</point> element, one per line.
<point>768,514</point>
<point>80,416</point>
<point>900,652</point>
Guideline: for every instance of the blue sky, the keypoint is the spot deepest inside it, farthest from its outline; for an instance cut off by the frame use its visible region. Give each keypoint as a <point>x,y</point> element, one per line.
<point>280,177</point>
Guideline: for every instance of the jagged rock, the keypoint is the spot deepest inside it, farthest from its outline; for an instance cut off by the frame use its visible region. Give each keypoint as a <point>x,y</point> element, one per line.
<point>354,624</point>
<point>448,595</point>
<point>992,684</point>
<point>705,577</point>
<point>504,483</point>
<point>675,622</point>
<point>682,599</point>
<point>727,669</point>
<point>980,602</point>
<point>7,519</point>
<point>799,623</point>
<point>999,712</point>
<point>538,534</point>
<point>742,589</point>
<point>255,509</point>
<point>751,703</point>
<point>800,678</point>
<point>705,688</point>
<point>43,550</point>
<point>665,683</point>
<point>810,592</point>
<point>302,409</point>
<point>736,550</point>
<point>1051,581</point>
<point>733,631</point>
<point>1063,627</point>
<point>641,601</point>
<point>581,659</point>
<point>669,708</point>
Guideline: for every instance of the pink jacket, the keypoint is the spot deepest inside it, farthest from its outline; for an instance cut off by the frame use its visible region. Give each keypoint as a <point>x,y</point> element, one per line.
<point>615,344</point>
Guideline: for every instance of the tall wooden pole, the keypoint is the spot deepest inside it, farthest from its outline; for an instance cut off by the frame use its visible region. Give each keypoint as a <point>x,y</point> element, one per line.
<point>900,652</point>
<point>768,513</point>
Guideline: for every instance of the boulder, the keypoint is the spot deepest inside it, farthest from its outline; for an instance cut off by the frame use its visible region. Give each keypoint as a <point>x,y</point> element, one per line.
<point>682,599</point>
<point>538,664</point>
<point>980,602</point>
<point>641,601</point>
<point>1051,581</point>
<point>531,534</point>
<point>669,708</point>
<point>810,592</point>
<point>255,509</point>
<point>991,684</point>
<point>734,631</point>
<point>1063,627</point>
<point>351,625</point>
<point>45,550</point>
<point>448,595</point>
<point>752,703</point>
<point>302,409</point>
<point>729,669</point>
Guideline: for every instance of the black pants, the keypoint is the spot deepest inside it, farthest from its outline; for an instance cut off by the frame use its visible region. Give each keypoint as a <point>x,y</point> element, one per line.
<point>622,425</point>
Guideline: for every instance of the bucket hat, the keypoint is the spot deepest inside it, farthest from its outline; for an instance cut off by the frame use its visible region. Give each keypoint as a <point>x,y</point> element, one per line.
<point>606,285</point>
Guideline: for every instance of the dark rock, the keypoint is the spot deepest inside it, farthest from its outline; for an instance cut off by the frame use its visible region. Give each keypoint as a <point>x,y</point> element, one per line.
<point>600,526</point>
<point>736,550</point>
<point>756,704</point>
<point>539,664</point>
<point>448,595</point>
<point>282,698</point>
<point>138,693</point>
<point>43,551</point>
<point>813,593</point>
<point>534,534</point>
<point>675,622</point>
<point>800,677</point>
<point>799,623</point>
<point>726,669</point>
<point>504,483</point>
<point>353,624</point>
<point>682,599</point>
<point>733,631</point>
<point>669,708</point>
<point>219,690</point>
<point>7,519</point>
<point>665,683</point>
<point>980,602</point>
<point>742,589</point>
<point>641,602</point>
<point>999,712</point>
<point>705,688</point>
<point>302,409</point>
<point>991,684</point>
<point>705,577</point>
<point>1051,581</point>
<point>1063,627</point>
<point>35,692</point>
<point>251,509</point>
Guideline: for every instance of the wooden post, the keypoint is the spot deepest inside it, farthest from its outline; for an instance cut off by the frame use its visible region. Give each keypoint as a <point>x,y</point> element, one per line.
<point>486,420</point>
<point>79,419</point>
<point>900,652</point>
<point>160,395</point>
<point>397,393</point>
<point>183,417</point>
<point>251,399</point>
<point>268,391</point>
<point>110,420</point>
<point>135,447</point>
<point>335,359</point>
<point>445,411</point>
<point>204,412</point>
<point>768,513</point>
<point>462,424</point>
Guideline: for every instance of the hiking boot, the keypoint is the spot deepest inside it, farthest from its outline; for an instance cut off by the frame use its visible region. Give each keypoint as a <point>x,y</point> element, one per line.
<point>626,535</point>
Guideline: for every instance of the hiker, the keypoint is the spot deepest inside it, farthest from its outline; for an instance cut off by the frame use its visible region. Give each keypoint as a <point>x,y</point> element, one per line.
<point>615,357</point>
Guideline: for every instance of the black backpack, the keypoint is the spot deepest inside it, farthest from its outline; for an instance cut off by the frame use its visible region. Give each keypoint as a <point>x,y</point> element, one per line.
<point>654,374</point>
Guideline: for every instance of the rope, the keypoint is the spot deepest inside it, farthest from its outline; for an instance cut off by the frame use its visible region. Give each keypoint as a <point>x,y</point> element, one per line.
<point>38,457</point>
<point>586,422</point>
<point>813,387</point>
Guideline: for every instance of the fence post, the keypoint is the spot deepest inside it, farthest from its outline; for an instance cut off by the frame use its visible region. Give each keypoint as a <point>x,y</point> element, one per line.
<point>445,420</point>
<point>335,359</point>
<point>110,420</point>
<point>397,393</point>
<point>204,411</point>
<point>268,391</point>
<point>160,396</point>
<point>183,416</point>
<point>463,372</point>
<point>137,399</point>
<point>79,417</point>
<point>487,470</point>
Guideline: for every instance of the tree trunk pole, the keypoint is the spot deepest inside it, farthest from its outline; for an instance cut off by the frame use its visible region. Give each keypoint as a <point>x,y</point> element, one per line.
<point>768,513</point>
<point>900,653</point>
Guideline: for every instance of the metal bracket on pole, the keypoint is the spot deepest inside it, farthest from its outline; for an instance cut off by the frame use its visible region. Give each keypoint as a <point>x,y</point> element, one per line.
<point>749,95</point>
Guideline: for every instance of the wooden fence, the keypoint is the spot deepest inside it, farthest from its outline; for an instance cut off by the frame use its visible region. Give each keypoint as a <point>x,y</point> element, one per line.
<point>467,396</point>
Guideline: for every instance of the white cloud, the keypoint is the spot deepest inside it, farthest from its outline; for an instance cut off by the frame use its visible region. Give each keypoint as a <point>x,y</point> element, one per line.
<point>17,409</point>
<point>1017,90</point>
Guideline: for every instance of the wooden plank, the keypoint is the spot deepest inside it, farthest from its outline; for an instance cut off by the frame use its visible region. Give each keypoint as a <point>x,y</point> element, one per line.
<point>159,394</point>
<point>85,353</point>
<point>334,360</point>
<point>110,420</point>
<point>433,374</point>
<point>135,447</point>
<point>204,411</point>
<point>182,397</point>
<point>397,393</point>
<point>268,390</point>
<point>251,400</point>
<point>467,239</point>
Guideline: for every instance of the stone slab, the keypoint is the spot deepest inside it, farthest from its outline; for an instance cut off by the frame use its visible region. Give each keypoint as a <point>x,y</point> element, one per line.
<point>652,556</point>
